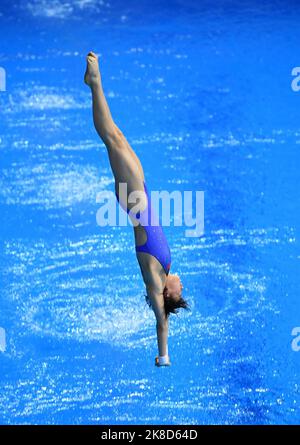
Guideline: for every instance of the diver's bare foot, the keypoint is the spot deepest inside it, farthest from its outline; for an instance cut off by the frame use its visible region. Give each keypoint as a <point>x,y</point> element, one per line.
<point>92,73</point>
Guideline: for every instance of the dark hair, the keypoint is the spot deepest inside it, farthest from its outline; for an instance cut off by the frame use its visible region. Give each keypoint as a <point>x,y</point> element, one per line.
<point>171,306</point>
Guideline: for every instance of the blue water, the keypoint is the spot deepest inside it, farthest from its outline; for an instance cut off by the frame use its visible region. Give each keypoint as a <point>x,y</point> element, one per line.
<point>202,90</point>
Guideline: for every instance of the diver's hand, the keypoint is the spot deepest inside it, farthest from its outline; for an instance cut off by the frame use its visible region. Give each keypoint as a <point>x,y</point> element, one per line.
<point>162,361</point>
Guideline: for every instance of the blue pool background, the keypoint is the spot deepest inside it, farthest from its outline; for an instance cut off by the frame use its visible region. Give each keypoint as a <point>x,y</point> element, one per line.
<point>202,91</point>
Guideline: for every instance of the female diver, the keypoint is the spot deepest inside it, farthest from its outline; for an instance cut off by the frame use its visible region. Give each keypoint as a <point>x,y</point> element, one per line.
<point>152,250</point>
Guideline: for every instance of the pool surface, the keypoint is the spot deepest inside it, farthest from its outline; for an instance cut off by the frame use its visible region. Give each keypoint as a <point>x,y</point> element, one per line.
<point>202,91</point>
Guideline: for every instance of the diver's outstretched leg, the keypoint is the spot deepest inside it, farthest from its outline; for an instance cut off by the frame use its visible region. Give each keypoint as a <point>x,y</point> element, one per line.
<point>103,121</point>
<point>108,131</point>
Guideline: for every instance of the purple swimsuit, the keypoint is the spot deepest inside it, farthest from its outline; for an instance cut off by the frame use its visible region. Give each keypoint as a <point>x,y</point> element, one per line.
<point>156,244</point>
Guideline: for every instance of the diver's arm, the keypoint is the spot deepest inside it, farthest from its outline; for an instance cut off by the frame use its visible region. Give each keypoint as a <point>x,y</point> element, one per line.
<point>162,329</point>
<point>162,326</point>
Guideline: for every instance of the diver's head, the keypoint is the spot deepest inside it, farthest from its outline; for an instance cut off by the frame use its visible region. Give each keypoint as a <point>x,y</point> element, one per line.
<point>173,295</point>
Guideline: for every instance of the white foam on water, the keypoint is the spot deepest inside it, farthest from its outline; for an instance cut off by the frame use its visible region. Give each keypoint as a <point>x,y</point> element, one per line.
<point>61,9</point>
<point>51,186</point>
<point>44,98</point>
<point>47,98</point>
<point>2,340</point>
<point>253,237</point>
<point>76,299</point>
